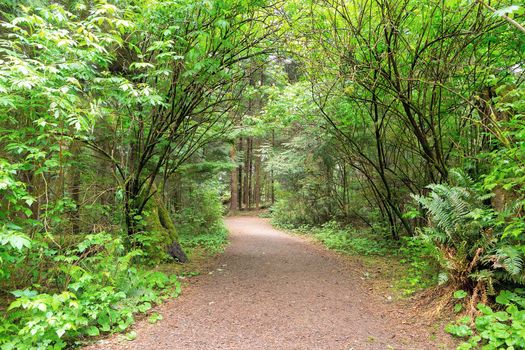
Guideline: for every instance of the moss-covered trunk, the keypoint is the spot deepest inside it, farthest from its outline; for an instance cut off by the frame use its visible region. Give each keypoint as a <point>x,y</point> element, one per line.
<point>160,224</point>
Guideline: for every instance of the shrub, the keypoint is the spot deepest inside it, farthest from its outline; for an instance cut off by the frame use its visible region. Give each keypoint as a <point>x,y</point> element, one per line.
<point>200,223</point>
<point>469,236</point>
<point>349,240</point>
<point>422,270</point>
<point>100,292</point>
<point>290,213</point>
<point>202,214</point>
<point>500,328</point>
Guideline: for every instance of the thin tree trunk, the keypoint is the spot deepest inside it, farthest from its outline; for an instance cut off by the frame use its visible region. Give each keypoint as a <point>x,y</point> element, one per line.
<point>239,181</point>
<point>257,189</point>
<point>246,186</point>
<point>250,173</point>
<point>74,188</point>
<point>234,177</point>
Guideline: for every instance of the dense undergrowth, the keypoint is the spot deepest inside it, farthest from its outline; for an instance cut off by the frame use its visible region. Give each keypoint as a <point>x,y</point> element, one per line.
<point>199,223</point>
<point>405,117</point>
<point>92,288</point>
<point>59,296</point>
<point>498,327</point>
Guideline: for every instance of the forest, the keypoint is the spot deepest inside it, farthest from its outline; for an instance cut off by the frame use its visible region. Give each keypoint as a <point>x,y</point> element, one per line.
<point>129,129</point>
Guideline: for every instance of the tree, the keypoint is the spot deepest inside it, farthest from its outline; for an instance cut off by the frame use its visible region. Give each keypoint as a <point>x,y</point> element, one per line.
<point>179,80</point>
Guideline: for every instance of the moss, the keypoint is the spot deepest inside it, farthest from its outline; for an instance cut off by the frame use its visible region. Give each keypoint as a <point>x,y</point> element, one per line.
<point>166,221</point>
<point>160,227</point>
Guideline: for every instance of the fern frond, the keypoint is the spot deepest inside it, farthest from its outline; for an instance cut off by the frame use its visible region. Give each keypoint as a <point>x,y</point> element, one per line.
<point>460,178</point>
<point>510,259</point>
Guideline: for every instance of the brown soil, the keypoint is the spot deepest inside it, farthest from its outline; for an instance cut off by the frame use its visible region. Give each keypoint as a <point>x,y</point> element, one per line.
<point>271,290</point>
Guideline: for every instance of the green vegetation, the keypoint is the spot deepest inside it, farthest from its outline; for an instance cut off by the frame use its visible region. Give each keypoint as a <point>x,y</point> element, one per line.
<point>200,223</point>
<point>106,110</point>
<point>384,128</point>
<point>91,288</point>
<point>348,240</point>
<point>496,329</point>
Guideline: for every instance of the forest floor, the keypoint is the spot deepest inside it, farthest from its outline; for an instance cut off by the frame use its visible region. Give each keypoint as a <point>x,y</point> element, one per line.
<point>272,290</point>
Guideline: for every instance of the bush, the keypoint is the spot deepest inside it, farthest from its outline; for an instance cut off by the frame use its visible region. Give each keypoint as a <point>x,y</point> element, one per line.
<point>100,293</point>
<point>202,214</point>
<point>422,270</point>
<point>349,240</point>
<point>212,243</point>
<point>200,223</point>
<point>289,213</point>
<point>474,251</point>
<point>502,328</point>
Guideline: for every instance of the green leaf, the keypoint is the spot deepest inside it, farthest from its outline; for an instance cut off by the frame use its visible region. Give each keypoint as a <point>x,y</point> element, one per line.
<point>460,294</point>
<point>93,331</point>
<point>154,318</point>
<point>144,307</point>
<point>130,336</point>
<point>458,330</point>
<point>458,308</point>
<point>486,310</point>
<point>502,316</point>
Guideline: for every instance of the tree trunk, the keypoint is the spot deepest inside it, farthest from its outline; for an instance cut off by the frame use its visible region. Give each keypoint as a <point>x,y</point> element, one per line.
<point>246,186</point>
<point>234,177</point>
<point>272,180</point>
<point>250,173</point>
<point>239,182</point>
<point>257,188</point>
<point>74,188</point>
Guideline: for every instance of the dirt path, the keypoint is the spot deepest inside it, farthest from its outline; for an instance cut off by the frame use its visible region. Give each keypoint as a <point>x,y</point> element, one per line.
<point>270,290</point>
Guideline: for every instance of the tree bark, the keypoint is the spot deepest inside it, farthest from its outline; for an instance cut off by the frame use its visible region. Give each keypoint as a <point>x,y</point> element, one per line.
<point>272,180</point>
<point>234,177</point>
<point>239,181</point>
<point>75,187</point>
<point>246,185</point>
<point>257,187</point>
<point>250,173</point>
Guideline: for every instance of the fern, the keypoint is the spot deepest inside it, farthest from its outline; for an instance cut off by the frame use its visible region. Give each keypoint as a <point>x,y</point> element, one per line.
<point>507,258</point>
<point>469,236</point>
<point>460,178</point>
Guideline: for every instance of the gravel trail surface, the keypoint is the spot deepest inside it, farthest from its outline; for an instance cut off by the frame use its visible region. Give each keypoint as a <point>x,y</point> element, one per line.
<point>272,290</point>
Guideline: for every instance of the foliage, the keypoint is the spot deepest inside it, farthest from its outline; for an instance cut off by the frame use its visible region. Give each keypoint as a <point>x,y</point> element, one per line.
<point>474,250</point>
<point>200,223</point>
<point>211,243</point>
<point>494,329</point>
<point>121,123</point>
<point>100,291</point>
<point>348,240</point>
<point>420,260</point>
<point>101,103</point>
<point>203,212</point>
<point>289,213</point>
<point>352,241</point>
